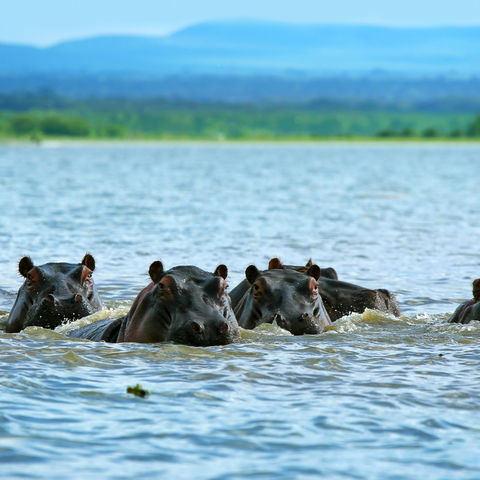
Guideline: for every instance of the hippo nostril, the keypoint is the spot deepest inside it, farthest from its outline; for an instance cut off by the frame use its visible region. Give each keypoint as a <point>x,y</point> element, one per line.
<point>50,298</point>
<point>305,316</point>
<point>224,327</point>
<point>196,327</point>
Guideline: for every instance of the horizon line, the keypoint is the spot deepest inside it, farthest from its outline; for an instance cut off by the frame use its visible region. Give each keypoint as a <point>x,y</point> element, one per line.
<point>168,31</point>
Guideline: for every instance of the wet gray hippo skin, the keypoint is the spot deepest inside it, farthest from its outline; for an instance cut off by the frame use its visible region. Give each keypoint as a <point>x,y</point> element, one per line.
<point>342,298</point>
<point>53,293</point>
<point>470,310</point>
<point>184,304</point>
<point>239,291</point>
<point>339,298</point>
<point>325,272</point>
<point>286,296</point>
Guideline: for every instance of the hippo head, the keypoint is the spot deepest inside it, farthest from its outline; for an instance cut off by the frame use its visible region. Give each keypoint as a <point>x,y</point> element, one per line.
<point>476,290</point>
<point>53,293</point>
<point>275,264</point>
<point>286,296</point>
<point>185,305</point>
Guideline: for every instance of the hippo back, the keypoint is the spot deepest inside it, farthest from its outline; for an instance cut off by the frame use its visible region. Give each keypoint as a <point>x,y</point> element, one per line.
<point>469,310</point>
<point>342,298</point>
<point>106,330</point>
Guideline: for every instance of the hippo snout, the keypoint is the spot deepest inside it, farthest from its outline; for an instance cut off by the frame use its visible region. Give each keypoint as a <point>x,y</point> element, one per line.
<point>204,332</point>
<point>51,299</point>
<point>199,327</point>
<point>308,324</point>
<point>54,309</point>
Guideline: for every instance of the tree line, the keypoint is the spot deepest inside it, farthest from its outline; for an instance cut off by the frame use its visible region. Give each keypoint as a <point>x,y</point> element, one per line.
<point>229,122</point>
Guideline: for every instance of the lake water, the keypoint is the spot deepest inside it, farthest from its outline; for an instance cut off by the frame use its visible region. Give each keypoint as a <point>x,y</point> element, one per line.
<point>375,397</point>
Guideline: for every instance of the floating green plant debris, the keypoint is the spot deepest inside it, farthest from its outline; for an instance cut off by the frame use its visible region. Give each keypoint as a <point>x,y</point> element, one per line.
<point>138,391</point>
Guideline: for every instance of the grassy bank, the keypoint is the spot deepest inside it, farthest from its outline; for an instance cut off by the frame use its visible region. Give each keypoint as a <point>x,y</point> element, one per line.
<point>160,120</point>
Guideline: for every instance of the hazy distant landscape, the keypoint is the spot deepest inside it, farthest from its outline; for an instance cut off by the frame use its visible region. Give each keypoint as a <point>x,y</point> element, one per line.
<point>259,47</point>
<point>247,80</point>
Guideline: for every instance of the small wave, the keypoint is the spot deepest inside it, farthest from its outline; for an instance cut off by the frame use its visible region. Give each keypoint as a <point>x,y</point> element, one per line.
<point>263,331</point>
<point>42,333</point>
<point>369,318</point>
<point>112,312</point>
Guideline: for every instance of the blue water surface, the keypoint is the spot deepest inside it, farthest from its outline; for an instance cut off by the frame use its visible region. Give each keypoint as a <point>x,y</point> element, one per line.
<point>375,397</point>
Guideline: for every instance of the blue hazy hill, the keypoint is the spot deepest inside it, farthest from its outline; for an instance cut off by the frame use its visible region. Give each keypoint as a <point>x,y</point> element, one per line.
<point>257,47</point>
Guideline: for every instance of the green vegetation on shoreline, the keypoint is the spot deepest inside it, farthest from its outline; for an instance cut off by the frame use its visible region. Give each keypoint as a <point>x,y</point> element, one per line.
<point>29,119</point>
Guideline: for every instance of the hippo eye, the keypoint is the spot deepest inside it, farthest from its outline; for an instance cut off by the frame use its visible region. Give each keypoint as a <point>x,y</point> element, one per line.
<point>31,277</point>
<point>256,287</point>
<point>163,289</point>
<point>31,280</point>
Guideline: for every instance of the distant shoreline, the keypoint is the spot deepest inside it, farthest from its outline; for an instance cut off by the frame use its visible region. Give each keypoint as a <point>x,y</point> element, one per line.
<point>62,141</point>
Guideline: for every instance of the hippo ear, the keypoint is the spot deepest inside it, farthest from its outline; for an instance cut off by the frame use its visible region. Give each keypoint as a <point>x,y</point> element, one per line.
<point>25,265</point>
<point>156,271</point>
<point>314,271</point>
<point>275,264</point>
<point>221,271</point>
<point>309,263</point>
<point>89,261</point>
<point>476,289</point>
<point>330,273</point>
<point>252,273</point>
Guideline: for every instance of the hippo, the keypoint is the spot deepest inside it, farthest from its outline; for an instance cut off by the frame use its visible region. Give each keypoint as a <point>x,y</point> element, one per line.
<point>339,298</point>
<point>342,298</point>
<point>286,296</point>
<point>237,293</point>
<point>470,310</point>
<point>54,293</point>
<point>185,305</point>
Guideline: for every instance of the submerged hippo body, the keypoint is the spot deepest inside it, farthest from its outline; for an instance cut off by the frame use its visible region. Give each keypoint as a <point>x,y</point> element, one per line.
<point>184,304</point>
<point>470,310</point>
<point>342,298</point>
<point>286,296</point>
<point>339,298</point>
<point>53,293</point>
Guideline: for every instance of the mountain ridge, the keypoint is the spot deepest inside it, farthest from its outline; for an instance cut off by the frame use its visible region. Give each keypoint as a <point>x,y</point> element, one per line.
<point>258,47</point>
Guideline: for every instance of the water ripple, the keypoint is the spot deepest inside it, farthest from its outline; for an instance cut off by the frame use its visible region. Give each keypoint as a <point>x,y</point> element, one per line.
<point>373,397</point>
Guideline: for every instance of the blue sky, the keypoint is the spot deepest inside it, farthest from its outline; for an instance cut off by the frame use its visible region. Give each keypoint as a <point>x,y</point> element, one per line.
<point>42,22</point>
